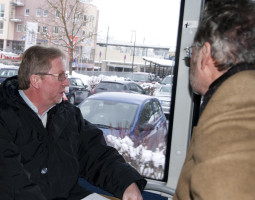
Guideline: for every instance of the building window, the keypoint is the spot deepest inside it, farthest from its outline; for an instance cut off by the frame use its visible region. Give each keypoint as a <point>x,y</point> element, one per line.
<point>25,28</point>
<point>57,13</point>
<point>44,30</point>
<point>27,12</point>
<point>1,27</point>
<point>45,13</point>
<point>38,30</point>
<point>84,20</point>
<point>1,10</point>
<point>19,27</point>
<point>55,30</point>
<point>38,12</point>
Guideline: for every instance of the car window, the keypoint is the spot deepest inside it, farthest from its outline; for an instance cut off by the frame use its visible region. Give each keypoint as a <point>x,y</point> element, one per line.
<point>139,88</point>
<point>111,86</point>
<point>79,82</point>
<point>157,110</point>
<point>146,115</point>
<point>8,72</point>
<point>72,82</point>
<point>109,113</point>
<point>132,87</point>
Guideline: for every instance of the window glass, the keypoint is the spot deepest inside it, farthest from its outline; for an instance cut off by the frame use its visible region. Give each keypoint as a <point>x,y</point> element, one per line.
<point>146,114</point>
<point>44,29</point>
<point>79,82</point>
<point>55,30</point>
<point>45,13</point>
<point>18,27</point>
<point>38,12</point>
<point>157,110</point>
<point>1,27</point>
<point>57,13</point>
<point>137,47</point>
<point>27,12</point>
<point>2,6</point>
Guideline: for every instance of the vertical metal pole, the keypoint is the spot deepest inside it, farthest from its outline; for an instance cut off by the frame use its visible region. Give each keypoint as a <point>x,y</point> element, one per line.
<point>133,53</point>
<point>106,43</point>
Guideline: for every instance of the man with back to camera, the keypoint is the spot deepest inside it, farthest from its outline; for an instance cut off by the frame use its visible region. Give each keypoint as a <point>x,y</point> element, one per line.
<point>46,145</point>
<point>220,162</point>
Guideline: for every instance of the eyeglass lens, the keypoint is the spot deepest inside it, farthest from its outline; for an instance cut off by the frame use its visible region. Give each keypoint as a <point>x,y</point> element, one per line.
<point>62,76</point>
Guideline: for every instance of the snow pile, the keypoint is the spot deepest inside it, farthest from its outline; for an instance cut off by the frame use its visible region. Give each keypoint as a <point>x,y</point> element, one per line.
<point>148,163</point>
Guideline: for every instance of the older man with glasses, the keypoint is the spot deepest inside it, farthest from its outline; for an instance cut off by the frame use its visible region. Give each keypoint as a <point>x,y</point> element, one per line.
<point>46,145</point>
<point>221,157</point>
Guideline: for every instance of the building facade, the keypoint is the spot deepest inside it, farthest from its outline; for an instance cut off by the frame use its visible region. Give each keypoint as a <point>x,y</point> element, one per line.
<point>47,23</point>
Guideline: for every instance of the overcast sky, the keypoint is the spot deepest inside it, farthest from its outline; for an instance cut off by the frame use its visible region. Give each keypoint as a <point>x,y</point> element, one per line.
<point>154,21</point>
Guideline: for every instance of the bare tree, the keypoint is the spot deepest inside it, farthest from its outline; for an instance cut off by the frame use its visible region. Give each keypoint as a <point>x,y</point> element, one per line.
<point>67,22</point>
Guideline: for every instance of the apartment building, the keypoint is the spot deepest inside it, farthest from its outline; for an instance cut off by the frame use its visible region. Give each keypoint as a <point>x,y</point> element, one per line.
<point>38,22</point>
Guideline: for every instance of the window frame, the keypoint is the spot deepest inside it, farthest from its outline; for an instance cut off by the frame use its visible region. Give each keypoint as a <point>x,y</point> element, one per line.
<point>27,11</point>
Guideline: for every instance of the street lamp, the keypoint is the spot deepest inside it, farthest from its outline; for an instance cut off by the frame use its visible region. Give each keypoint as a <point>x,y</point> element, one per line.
<point>133,51</point>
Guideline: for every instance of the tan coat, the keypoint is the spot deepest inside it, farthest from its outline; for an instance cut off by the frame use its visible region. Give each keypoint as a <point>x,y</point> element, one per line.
<point>220,163</point>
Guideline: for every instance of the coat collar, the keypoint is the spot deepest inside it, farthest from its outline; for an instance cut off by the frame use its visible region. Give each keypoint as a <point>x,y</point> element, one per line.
<point>216,84</point>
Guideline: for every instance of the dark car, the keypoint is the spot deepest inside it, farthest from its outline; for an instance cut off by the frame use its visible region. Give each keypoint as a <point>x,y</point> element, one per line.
<point>77,91</point>
<point>8,72</point>
<point>118,86</point>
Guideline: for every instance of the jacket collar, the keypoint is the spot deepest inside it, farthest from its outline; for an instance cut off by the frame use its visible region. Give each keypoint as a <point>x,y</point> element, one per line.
<point>216,84</point>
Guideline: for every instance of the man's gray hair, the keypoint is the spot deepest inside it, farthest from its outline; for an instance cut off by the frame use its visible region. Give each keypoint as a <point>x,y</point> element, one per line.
<point>36,59</point>
<point>229,26</point>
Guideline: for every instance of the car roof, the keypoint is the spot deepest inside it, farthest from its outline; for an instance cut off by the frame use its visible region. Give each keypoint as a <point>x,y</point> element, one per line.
<point>119,81</point>
<point>121,97</point>
<point>13,67</point>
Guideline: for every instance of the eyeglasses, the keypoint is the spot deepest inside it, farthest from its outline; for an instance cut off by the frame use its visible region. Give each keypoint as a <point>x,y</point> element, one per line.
<point>188,56</point>
<point>61,77</point>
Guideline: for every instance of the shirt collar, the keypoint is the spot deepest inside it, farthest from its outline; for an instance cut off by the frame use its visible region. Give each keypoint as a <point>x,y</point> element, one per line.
<point>31,105</point>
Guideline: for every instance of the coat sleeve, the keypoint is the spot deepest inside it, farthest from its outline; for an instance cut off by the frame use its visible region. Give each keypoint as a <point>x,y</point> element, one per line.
<point>102,165</point>
<point>14,182</point>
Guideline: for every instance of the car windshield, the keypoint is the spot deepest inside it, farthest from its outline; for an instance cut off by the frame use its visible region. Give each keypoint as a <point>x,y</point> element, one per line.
<point>8,72</point>
<point>109,113</point>
<point>140,77</point>
<point>167,80</point>
<point>111,86</point>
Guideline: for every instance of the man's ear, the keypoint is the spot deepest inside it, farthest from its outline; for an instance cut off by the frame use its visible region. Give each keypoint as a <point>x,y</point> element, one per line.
<point>35,81</point>
<point>207,60</point>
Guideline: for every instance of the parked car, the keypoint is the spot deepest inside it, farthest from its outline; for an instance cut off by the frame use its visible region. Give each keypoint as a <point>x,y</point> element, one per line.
<point>163,94</point>
<point>118,86</point>
<point>7,72</point>
<point>167,80</point>
<point>76,91</point>
<point>140,117</point>
<point>142,77</point>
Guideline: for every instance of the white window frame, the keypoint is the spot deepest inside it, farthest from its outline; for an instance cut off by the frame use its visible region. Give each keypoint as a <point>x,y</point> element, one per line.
<point>19,27</point>
<point>27,12</point>
<point>25,28</point>
<point>38,12</point>
<point>45,13</point>
<point>38,30</point>
<point>44,29</point>
<point>55,30</point>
